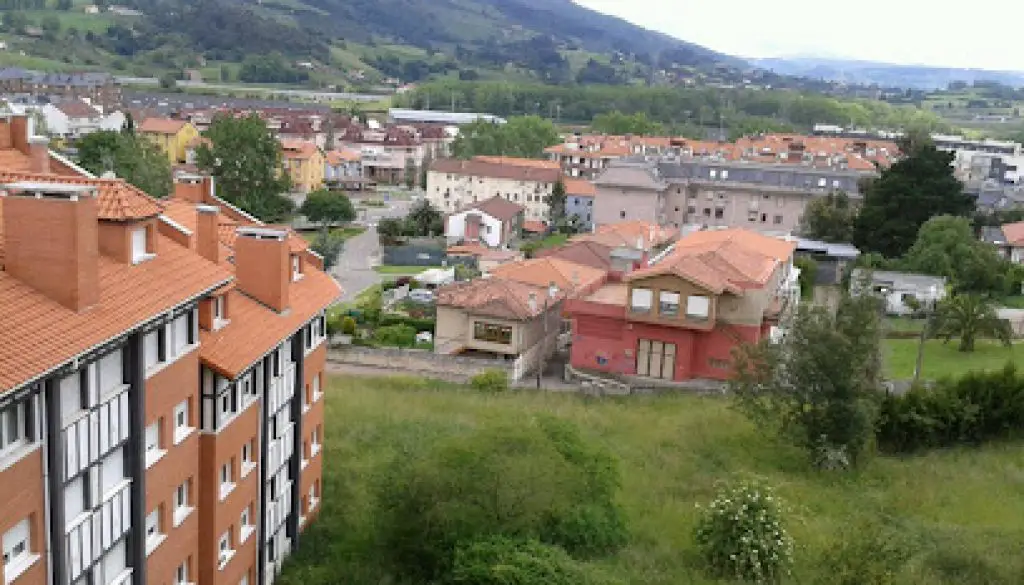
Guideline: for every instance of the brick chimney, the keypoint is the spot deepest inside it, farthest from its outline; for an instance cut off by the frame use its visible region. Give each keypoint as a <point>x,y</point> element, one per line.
<point>262,265</point>
<point>193,188</point>
<point>207,239</point>
<point>51,240</point>
<point>16,131</point>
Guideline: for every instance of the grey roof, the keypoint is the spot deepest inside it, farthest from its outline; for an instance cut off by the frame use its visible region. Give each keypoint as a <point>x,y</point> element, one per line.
<point>993,235</point>
<point>405,115</point>
<point>901,278</point>
<point>80,79</point>
<point>844,251</point>
<point>780,175</point>
<point>639,175</point>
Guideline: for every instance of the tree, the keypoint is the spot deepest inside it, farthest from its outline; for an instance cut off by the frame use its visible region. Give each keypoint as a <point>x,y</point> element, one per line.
<point>619,124</point>
<point>428,160</point>
<point>906,195</point>
<point>329,246</point>
<point>51,27</point>
<point>390,229</point>
<point>169,80</point>
<point>410,173</point>
<point>130,157</point>
<point>523,136</point>
<point>969,316</point>
<point>129,124</point>
<point>946,246</point>
<point>327,207</point>
<point>817,385</point>
<point>556,204</point>
<point>829,218</point>
<point>424,220</point>
<point>246,160</point>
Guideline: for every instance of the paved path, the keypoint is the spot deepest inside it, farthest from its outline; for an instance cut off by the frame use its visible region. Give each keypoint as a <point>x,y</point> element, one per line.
<point>354,269</point>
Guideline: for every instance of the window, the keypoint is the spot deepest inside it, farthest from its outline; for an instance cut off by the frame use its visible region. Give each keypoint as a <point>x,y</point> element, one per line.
<point>622,214</point>
<point>181,574</point>
<point>224,551</point>
<point>17,553</point>
<point>12,428</point>
<point>220,311</point>
<point>314,440</point>
<point>780,202</point>
<point>752,215</point>
<point>227,483</point>
<point>821,182</point>
<point>140,246</point>
<point>707,212</point>
<point>247,461</point>
<point>777,220</point>
<point>245,527</point>
<point>111,371</point>
<point>691,210</point>
<point>668,303</point>
<point>296,267</point>
<point>182,428</point>
<point>835,183</point>
<point>719,364</point>
<point>181,503</point>
<point>713,173</point>
<point>725,174</point>
<point>153,535</point>
<point>641,300</point>
<point>764,217</point>
<point>153,450</point>
<point>316,388</point>
<point>492,333</point>
<point>151,348</point>
<point>719,213</point>
<point>179,335</point>
<point>698,307</point>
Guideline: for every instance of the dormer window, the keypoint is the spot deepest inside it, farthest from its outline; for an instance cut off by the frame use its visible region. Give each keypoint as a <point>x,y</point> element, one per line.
<point>141,248</point>
<point>296,267</point>
<point>219,304</point>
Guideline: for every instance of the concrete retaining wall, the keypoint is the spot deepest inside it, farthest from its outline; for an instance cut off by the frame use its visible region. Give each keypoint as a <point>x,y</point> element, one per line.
<point>416,361</point>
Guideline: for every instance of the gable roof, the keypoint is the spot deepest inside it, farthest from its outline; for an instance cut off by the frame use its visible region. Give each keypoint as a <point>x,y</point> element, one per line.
<point>497,170</point>
<point>585,252</point>
<point>117,200</point>
<point>630,234</point>
<point>579,187</point>
<point>156,125</point>
<point>77,109</point>
<point>542,272</point>
<point>496,297</point>
<point>631,174</point>
<point>299,149</point>
<point>498,208</point>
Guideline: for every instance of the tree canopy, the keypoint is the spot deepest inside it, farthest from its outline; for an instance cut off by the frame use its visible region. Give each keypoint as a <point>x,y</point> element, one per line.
<point>829,218</point>
<point>525,137</point>
<point>896,204</point>
<point>129,156</point>
<point>246,161</point>
<point>946,246</point>
<point>967,317</point>
<point>327,207</point>
<point>619,124</point>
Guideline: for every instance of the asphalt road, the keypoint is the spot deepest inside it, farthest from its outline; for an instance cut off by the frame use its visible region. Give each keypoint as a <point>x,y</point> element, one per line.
<point>354,269</point>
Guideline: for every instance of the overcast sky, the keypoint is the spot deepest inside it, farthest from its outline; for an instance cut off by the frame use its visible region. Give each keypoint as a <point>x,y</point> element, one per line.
<point>984,35</point>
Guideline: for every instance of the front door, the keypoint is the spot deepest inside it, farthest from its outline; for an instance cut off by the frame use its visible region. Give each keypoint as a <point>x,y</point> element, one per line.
<point>655,359</point>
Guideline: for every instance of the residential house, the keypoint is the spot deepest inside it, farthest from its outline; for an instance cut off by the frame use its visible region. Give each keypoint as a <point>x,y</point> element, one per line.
<point>901,291</point>
<point>160,383</point>
<point>587,253</point>
<point>579,202</point>
<point>454,184</point>
<point>1008,239</point>
<point>832,261</point>
<point>305,164</point>
<point>343,169</point>
<point>70,118</point>
<point>485,259</point>
<point>173,137</point>
<point>681,316</point>
<point>495,222</point>
<point>99,88</point>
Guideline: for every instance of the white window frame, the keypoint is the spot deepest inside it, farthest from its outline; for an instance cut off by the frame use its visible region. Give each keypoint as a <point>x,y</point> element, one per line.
<point>248,463</point>
<point>227,480</point>
<point>245,525</point>
<point>154,451</point>
<point>182,431</point>
<point>17,550</point>
<point>154,537</point>
<point>181,574</point>
<point>220,318</point>
<point>224,551</point>
<point>636,295</point>
<point>140,256</point>
<point>182,509</point>
<point>13,431</point>
<point>698,307</point>
<point>296,264</point>
<point>315,442</point>
<point>313,498</point>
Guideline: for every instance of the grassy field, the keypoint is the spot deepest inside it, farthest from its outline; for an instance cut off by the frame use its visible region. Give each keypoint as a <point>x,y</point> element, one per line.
<point>941,360</point>
<point>345,233</point>
<point>401,270</point>
<point>958,515</point>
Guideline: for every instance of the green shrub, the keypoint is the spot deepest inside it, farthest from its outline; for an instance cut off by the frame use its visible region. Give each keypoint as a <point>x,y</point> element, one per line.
<point>979,407</point>
<point>871,553</point>
<point>741,535</point>
<point>514,481</point>
<point>348,325</point>
<point>490,381</point>
<point>808,273</point>
<point>395,336</point>
<point>420,325</point>
<point>505,561</point>
<point>335,323</point>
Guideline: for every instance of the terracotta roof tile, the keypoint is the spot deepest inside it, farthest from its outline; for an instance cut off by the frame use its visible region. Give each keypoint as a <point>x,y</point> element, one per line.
<point>1014,233</point>
<point>77,109</point>
<point>498,208</point>
<point>579,187</point>
<point>585,252</point>
<point>298,149</point>
<point>630,233</point>
<point>495,297</point>
<point>518,162</point>
<point>336,157</point>
<point>14,160</point>
<point>155,125</point>
<point>535,226</point>
<point>117,200</point>
<point>254,330</point>
<point>40,334</point>
<point>542,272</point>
<point>479,168</point>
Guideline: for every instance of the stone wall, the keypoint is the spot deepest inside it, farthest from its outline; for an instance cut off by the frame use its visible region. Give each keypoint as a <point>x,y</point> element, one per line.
<point>416,361</point>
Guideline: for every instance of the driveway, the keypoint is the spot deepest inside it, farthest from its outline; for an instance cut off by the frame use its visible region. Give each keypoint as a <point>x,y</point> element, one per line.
<point>354,270</point>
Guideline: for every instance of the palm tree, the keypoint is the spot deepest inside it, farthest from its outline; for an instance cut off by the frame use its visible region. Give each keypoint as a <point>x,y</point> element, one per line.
<point>969,316</point>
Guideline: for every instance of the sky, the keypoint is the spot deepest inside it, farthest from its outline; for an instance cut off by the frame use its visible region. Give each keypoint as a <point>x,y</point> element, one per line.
<point>982,35</point>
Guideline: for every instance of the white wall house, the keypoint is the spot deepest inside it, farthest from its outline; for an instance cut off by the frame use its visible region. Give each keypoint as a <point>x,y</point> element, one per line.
<point>487,229</point>
<point>901,290</point>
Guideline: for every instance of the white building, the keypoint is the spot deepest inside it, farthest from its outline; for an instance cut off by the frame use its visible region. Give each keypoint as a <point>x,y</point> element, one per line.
<point>456,184</point>
<point>494,222</point>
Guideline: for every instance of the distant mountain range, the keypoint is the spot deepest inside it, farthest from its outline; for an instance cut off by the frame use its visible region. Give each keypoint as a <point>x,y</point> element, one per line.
<point>885,74</point>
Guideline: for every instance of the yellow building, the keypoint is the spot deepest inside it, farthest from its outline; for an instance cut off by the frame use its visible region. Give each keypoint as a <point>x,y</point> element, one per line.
<point>304,163</point>
<point>171,136</point>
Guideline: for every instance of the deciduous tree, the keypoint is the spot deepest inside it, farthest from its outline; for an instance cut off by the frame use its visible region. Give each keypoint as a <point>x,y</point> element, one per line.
<point>130,157</point>
<point>946,246</point>
<point>829,218</point>
<point>327,207</point>
<point>523,136</point>
<point>967,317</point>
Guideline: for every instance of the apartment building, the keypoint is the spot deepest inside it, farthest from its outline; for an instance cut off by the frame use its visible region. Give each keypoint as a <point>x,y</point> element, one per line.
<point>98,87</point>
<point>456,184</point>
<point>161,375</point>
<point>765,197</point>
<point>680,317</point>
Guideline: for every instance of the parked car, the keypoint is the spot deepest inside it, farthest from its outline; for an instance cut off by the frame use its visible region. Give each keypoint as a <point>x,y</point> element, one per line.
<point>422,295</point>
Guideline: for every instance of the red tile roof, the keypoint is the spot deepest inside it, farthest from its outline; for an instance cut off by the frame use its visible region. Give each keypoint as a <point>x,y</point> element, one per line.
<point>498,208</point>
<point>495,297</point>
<point>579,187</point>
<point>535,226</point>
<point>77,109</point>
<point>479,168</point>
<point>161,126</point>
<point>585,252</point>
<point>117,200</point>
<point>1014,233</point>
<point>298,149</point>
<point>542,272</point>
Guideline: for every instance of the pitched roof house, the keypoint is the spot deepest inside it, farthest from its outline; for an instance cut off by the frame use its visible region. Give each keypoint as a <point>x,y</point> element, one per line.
<point>494,222</point>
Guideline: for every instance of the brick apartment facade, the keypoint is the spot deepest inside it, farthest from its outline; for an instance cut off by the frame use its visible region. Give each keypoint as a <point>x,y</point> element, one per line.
<point>161,375</point>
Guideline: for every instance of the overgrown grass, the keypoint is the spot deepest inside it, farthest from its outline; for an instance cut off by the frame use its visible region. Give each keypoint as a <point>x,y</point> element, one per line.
<point>959,514</point>
<point>344,233</point>
<point>402,270</point>
<point>941,360</point>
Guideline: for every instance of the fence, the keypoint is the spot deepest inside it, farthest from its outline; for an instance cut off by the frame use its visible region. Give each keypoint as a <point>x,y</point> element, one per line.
<point>422,255</point>
<point>417,361</point>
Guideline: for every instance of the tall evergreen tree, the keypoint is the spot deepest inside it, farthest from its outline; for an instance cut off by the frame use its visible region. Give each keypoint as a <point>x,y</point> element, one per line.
<point>907,194</point>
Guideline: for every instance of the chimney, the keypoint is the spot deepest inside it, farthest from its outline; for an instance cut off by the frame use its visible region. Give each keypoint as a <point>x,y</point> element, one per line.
<point>193,188</point>
<point>262,265</point>
<point>552,289</point>
<point>207,239</point>
<point>533,302</point>
<point>51,240</point>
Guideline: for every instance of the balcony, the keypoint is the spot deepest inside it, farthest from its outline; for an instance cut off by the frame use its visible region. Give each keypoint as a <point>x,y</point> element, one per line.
<point>281,449</point>
<point>282,389</point>
<point>95,433</point>
<point>278,510</point>
<point>93,534</point>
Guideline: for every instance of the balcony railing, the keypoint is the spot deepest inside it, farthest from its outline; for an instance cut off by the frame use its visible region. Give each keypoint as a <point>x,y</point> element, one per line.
<point>278,510</point>
<point>94,434</point>
<point>96,533</point>
<point>281,449</point>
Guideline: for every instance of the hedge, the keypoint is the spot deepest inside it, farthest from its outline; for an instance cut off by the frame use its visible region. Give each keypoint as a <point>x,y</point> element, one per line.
<point>420,325</point>
<point>979,407</point>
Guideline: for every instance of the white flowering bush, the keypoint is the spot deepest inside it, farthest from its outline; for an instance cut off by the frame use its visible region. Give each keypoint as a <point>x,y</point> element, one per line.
<point>741,535</point>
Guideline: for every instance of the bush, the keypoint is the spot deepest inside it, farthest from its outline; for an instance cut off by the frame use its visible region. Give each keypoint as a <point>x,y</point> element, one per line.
<point>395,336</point>
<point>808,274</point>
<point>979,407</point>
<point>348,325</point>
<point>741,535</point>
<point>505,561</point>
<point>490,381</point>
<point>420,325</point>
<point>335,323</point>
<point>526,482</point>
